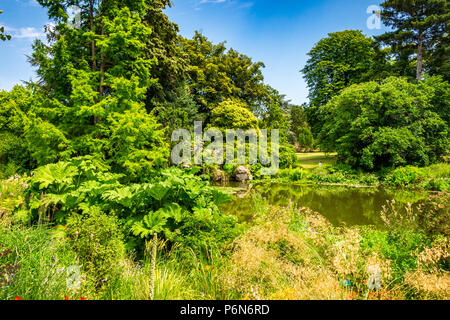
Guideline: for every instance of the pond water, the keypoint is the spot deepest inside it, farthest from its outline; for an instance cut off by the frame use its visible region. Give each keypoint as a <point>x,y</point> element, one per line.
<point>340,205</point>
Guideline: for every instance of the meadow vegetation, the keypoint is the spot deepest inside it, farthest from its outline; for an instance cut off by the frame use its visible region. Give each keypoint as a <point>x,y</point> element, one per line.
<point>282,253</point>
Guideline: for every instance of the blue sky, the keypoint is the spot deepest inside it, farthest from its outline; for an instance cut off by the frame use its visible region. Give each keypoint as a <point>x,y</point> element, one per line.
<point>276,32</point>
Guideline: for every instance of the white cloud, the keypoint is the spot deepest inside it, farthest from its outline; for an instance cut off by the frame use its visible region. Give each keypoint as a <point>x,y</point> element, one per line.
<point>25,33</point>
<point>28,32</point>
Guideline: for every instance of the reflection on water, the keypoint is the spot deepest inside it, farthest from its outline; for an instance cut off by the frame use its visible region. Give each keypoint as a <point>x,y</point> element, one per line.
<point>340,205</point>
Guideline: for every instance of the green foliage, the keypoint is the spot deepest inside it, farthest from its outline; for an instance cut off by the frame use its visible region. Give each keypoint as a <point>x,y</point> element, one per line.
<point>93,90</point>
<point>397,246</point>
<point>98,242</point>
<point>13,149</point>
<point>231,114</point>
<point>435,177</point>
<point>288,158</point>
<point>217,74</point>
<point>42,259</point>
<point>405,176</point>
<point>389,124</point>
<point>337,174</point>
<point>297,174</point>
<point>178,205</point>
<point>179,110</point>
<point>328,71</point>
<point>420,33</point>
<point>12,196</point>
<point>298,120</point>
<point>305,138</point>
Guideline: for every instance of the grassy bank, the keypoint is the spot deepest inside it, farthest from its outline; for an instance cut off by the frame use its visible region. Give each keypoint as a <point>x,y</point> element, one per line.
<point>321,168</point>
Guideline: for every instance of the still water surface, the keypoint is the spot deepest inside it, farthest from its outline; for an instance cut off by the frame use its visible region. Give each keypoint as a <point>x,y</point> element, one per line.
<point>340,205</point>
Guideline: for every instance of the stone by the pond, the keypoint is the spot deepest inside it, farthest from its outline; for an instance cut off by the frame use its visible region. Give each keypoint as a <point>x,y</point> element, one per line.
<point>242,174</point>
<point>219,176</point>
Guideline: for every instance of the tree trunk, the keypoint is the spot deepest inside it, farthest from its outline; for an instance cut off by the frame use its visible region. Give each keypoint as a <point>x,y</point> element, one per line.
<point>102,67</point>
<point>420,58</point>
<point>91,20</point>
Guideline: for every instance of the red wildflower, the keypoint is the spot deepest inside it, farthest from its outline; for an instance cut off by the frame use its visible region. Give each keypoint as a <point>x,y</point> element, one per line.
<point>17,298</point>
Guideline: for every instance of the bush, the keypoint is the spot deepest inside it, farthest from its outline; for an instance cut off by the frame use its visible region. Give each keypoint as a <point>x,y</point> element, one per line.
<point>288,158</point>
<point>398,246</point>
<point>296,174</point>
<point>184,203</point>
<point>12,196</point>
<point>231,114</point>
<point>97,241</point>
<point>305,138</point>
<point>438,184</point>
<point>405,176</point>
<point>389,124</point>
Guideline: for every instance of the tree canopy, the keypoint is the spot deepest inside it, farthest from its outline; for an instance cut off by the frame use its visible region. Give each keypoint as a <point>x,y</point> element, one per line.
<point>216,74</point>
<point>393,123</point>
<point>93,86</point>
<point>420,32</point>
<point>336,62</point>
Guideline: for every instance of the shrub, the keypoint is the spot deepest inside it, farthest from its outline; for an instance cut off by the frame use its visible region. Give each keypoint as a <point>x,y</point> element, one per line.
<point>438,184</point>
<point>305,138</point>
<point>231,114</point>
<point>12,196</point>
<point>405,176</point>
<point>288,157</point>
<point>83,185</point>
<point>296,174</point>
<point>97,241</point>
<point>397,246</point>
<point>389,124</point>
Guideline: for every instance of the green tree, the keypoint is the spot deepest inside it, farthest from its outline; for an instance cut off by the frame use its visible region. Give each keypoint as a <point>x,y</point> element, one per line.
<point>305,138</point>
<point>3,36</point>
<point>420,31</point>
<point>300,127</point>
<point>233,114</point>
<point>170,61</point>
<point>94,81</point>
<point>273,117</point>
<point>336,62</point>
<point>13,147</point>
<point>216,74</point>
<point>391,124</point>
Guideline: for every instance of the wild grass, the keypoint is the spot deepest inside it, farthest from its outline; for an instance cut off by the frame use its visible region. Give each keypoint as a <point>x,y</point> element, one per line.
<point>42,260</point>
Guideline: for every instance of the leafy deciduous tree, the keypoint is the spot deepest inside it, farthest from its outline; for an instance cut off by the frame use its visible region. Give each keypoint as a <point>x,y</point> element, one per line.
<point>336,62</point>
<point>394,123</point>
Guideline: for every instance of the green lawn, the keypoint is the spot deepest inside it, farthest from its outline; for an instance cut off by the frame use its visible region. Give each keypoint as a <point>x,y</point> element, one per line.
<point>313,159</point>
